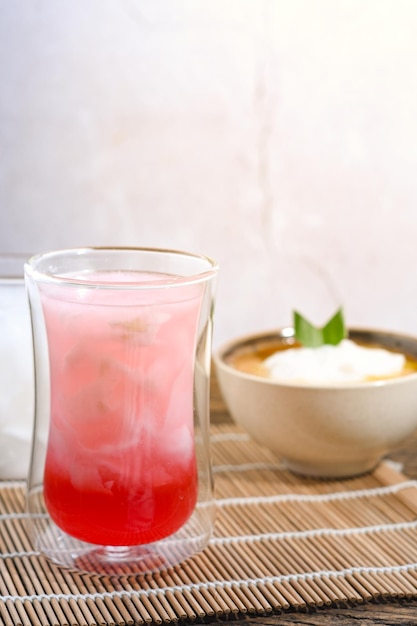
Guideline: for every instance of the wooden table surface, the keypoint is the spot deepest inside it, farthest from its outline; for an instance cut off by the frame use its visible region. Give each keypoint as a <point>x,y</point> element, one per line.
<point>383,613</point>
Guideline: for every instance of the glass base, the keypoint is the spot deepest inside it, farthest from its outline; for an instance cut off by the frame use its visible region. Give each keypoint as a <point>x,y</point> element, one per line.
<point>69,552</point>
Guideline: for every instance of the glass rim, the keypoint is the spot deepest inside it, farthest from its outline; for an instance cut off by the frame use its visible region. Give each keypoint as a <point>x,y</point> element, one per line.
<point>30,269</point>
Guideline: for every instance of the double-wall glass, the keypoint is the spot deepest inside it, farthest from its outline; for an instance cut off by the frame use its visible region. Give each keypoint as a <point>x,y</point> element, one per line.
<point>120,478</point>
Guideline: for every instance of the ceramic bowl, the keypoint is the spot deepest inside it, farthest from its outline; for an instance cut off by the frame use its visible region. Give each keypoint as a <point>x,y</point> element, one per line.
<point>323,431</point>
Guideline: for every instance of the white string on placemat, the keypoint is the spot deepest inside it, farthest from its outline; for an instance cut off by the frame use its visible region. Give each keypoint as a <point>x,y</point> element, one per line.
<point>316,532</point>
<point>213,584</point>
<point>247,467</point>
<point>12,484</point>
<point>318,497</point>
<point>282,535</point>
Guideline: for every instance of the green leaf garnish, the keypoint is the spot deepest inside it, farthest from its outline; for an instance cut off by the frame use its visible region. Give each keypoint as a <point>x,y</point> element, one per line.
<point>312,337</point>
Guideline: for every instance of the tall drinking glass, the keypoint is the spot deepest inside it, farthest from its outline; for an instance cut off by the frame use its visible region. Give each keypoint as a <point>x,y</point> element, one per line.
<point>120,478</point>
<point>16,370</point>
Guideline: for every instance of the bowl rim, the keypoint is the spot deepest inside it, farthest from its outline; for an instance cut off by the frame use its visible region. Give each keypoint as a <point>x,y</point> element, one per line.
<point>287,332</point>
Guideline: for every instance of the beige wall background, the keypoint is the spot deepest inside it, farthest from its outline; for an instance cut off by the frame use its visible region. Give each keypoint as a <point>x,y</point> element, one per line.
<point>279,137</point>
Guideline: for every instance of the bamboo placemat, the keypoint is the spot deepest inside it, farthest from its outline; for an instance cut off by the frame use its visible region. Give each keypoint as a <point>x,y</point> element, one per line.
<point>280,542</point>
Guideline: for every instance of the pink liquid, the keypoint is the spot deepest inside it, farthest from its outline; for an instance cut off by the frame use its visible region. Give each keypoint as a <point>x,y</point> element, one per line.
<point>120,466</point>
